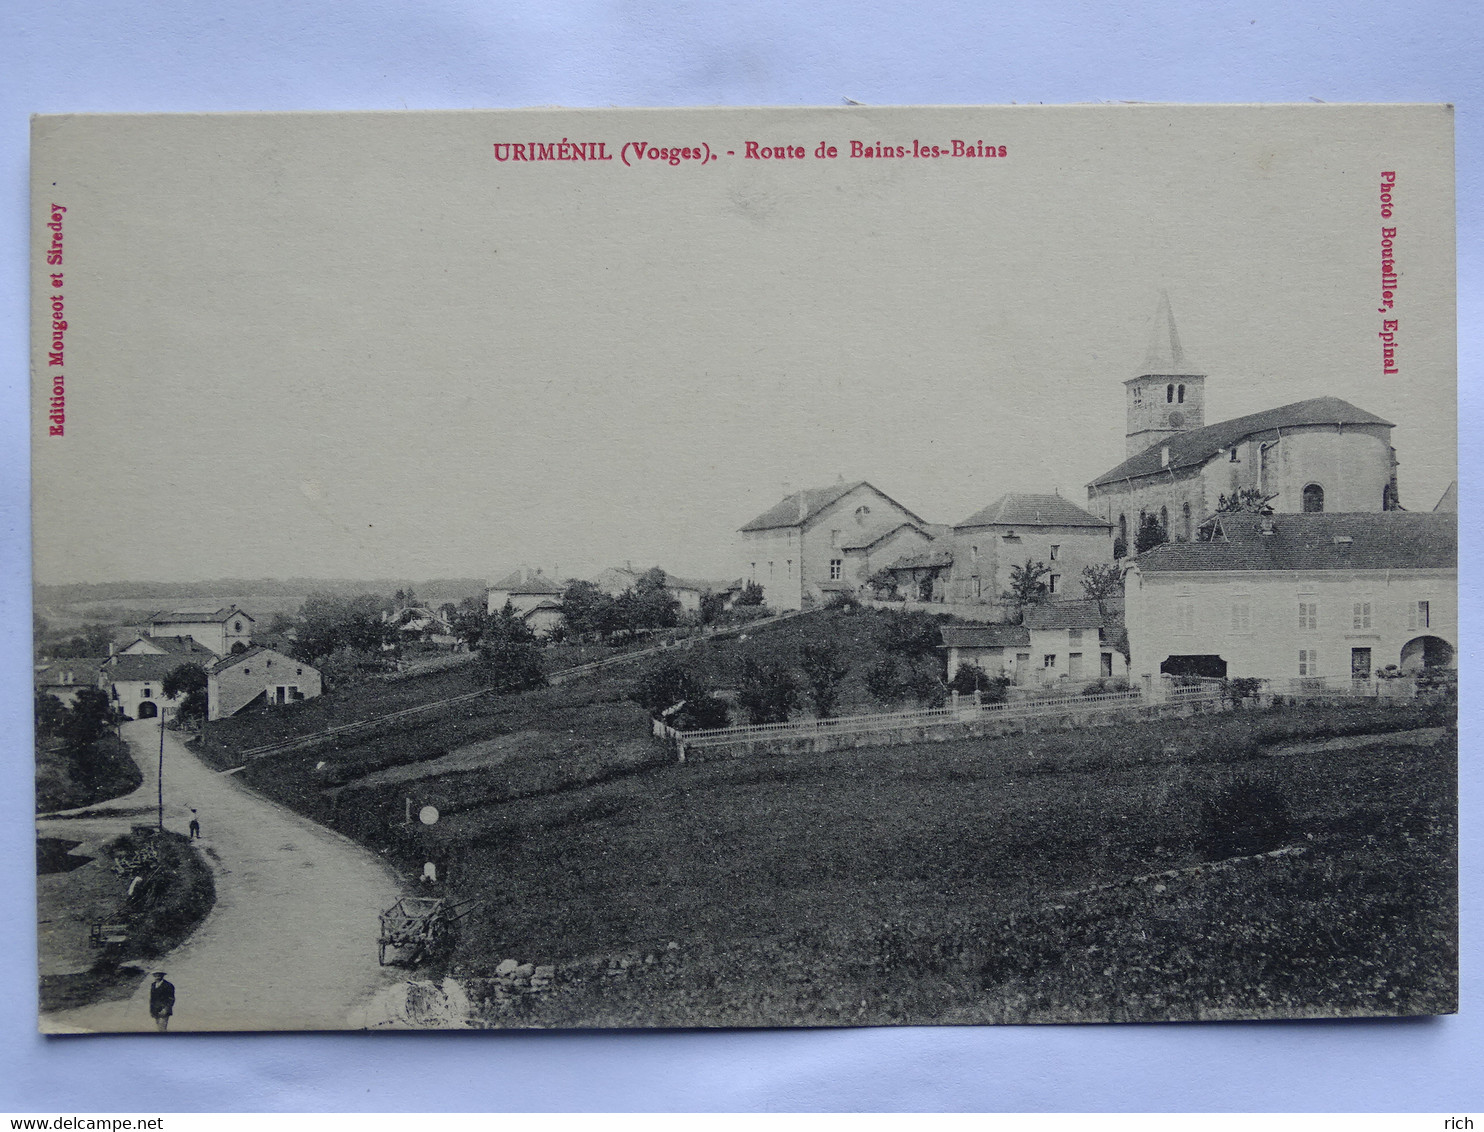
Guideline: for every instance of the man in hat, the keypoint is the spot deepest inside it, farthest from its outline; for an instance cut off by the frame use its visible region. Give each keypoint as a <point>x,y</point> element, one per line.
<point>161,1001</point>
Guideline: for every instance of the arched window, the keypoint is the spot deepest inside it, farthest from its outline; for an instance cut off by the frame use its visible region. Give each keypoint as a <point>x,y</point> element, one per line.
<point>1164,520</point>
<point>1169,394</point>
<point>1313,498</point>
<point>1186,515</point>
<point>1180,394</point>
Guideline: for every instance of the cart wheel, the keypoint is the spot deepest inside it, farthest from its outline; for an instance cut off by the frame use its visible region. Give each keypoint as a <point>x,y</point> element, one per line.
<point>381,954</point>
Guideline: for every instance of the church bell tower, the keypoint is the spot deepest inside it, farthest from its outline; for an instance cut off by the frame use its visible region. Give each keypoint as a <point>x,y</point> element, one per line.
<point>1169,395</point>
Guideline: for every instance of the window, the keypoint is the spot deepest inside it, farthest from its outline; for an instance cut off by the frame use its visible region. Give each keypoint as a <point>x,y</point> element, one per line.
<point>861,512</point>
<point>1185,617</point>
<point>1138,394</point>
<point>1313,498</point>
<point>837,568</point>
<point>1123,529</point>
<point>144,695</point>
<point>1055,550</point>
<point>1053,583</point>
<point>790,567</point>
<point>1180,394</point>
<point>237,626</point>
<point>1185,520</point>
<point>770,571</point>
<point>1419,615</point>
<point>298,672</point>
<point>751,571</point>
<point>978,587</point>
<point>1308,616</point>
<point>1164,519</point>
<point>1169,394</point>
<point>247,672</point>
<point>834,538</point>
<point>1308,662</point>
<point>1361,615</point>
<point>974,553</point>
<point>1049,660</point>
<point>1241,616</point>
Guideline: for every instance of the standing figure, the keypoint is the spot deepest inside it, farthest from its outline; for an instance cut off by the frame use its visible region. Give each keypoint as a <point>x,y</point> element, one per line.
<point>161,1001</point>
<point>195,825</point>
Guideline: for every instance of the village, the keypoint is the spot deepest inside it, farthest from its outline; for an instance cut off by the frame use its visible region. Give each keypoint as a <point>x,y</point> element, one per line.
<point>1262,564</point>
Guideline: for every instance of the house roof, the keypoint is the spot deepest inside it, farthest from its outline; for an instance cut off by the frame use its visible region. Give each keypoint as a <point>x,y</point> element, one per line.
<point>1073,615</point>
<point>151,666</point>
<point>526,582</point>
<point>1017,509</point>
<point>1195,447</point>
<point>989,636</point>
<point>869,538</point>
<point>178,646</point>
<point>249,653</point>
<point>199,615</point>
<point>786,512</point>
<point>546,605</point>
<point>923,560</point>
<point>84,671</point>
<point>1376,540</point>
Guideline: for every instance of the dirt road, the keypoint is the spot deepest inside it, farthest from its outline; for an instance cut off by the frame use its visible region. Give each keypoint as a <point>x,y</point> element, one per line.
<point>291,942</point>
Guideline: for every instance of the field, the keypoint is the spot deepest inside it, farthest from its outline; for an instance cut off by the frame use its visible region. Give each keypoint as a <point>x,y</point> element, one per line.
<point>950,882</point>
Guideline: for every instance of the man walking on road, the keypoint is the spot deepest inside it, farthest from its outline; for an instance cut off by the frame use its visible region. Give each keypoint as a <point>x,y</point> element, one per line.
<point>161,1001</point>
<point>195,826</point>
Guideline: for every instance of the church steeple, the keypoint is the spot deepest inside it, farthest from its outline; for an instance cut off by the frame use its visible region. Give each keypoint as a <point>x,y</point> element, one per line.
<point>1169,395</point>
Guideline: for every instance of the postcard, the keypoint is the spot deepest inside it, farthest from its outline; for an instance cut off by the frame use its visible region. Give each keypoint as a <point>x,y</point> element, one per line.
<point>680,568</point>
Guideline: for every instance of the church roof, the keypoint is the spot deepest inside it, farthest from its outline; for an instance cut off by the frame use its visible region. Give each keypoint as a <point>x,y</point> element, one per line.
<point>1195,447</point>
<point>1016,509</point>
<point>1165,356</point>
<point>1333,540</point>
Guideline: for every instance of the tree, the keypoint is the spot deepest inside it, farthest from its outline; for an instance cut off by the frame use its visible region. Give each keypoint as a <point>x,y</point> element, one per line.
<point>713,606</point>
<point>467,620</point>
<point>93,640</point>
<point>1102,581</point>
<point>823,671</point>
<point>1027,584</point>
<point>884,681</point>
<point>970,678</point>
<point>752,594</point>
<point>586,609</point>
<point>188,681</point>
<point>664,686</point>
<point>911,635</point>
<point>655,606</point>
<point>51,714</point>
<point>768,691</point>
<point>702,712</point>
<point>508,655</point>
<point>89,719</point>
<point>1247,500</point>
<point>328,623</point>
<point>1151,534</point>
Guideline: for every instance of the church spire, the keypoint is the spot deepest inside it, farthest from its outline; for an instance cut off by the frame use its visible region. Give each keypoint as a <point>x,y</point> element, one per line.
<point>1166,356</point>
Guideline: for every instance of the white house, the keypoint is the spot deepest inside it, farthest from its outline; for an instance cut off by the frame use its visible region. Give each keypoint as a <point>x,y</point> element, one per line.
<point>1020,527</point>
<point>796,550</point>
<point>64,678</point>
<point>1299,596</point>
<point>133,682</point>
<point>524,590</point>
<point>258,676</point>
<point>222,630</point>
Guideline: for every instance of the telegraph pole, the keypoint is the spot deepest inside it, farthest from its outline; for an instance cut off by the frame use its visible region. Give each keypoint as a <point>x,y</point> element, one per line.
<point>160,776</point>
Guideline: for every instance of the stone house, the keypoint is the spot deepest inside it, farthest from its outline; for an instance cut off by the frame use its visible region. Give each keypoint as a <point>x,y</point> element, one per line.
<point>258,676</point>
<point>1017,528</point>
<point>524,590</point>
<point>796,550</point>
<point>222,630</point>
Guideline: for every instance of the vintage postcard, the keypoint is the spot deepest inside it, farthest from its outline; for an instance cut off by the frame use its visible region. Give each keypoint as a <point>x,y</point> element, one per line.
<point>807,567</point>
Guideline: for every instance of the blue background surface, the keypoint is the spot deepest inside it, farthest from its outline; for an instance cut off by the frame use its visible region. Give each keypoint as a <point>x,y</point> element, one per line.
<point>96,55</point>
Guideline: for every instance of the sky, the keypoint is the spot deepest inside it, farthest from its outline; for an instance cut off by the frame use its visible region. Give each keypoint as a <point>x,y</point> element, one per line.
<point>361,346</point>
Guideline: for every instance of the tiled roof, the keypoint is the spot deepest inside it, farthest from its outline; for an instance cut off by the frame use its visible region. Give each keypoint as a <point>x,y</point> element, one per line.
<point>84,671</point>
<point>197,616</point>
<point>1379,540</point>
<point>1072,615</point>
<point>1016,509</point>
<point>544,606</point>
<point>150,666</point>
<point>785,513</point>
<point>869,538</point>
<point>1193,448</point>
<point>990,636</point>
<point>923,560</point>
<point>227,662</point>
<point>526,582</point>
<point>179,646</point>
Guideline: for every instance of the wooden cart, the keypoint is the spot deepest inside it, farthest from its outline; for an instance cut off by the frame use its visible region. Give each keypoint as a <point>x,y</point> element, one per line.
<point>418,926</point>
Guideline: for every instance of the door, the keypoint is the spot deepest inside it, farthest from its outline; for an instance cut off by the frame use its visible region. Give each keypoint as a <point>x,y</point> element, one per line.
<point>1360,664</point>
<point>1074,666</point>
<point>1107,669</point>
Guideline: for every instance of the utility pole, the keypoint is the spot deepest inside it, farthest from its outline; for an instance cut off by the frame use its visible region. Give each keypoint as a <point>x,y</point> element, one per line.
<point>160,776</point>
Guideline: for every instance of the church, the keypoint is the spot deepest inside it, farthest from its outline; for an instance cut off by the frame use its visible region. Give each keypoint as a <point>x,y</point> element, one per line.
<point>1319,455</point>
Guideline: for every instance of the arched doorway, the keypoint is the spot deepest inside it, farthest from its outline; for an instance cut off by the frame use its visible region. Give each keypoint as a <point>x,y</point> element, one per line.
<point>147,709</point>
<point>1426,652</point>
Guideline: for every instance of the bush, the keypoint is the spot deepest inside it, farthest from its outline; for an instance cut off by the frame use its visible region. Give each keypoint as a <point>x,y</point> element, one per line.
<point>768,692</point>
<point>1244,817</point>
<point>702,712</point>
<point>970,678</point>
<point>1105,685</point>
<point>1240,688</point>
<point>843,600</point>
<point>664,686</point>
<point>927,688</point>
